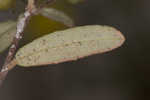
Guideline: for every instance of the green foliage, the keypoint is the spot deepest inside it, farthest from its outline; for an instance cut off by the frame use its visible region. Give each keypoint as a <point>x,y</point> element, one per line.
<point>59,46</point>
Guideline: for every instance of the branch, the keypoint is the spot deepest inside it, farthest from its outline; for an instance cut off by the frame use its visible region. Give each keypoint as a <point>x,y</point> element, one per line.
<point>22,22</point>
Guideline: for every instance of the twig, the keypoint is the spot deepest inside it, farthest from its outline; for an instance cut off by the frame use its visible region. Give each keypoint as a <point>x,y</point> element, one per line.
<point>22,22</point>
<point>4,72</point>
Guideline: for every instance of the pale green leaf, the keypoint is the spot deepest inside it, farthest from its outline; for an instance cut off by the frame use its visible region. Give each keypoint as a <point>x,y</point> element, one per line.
<point>7,32</point>
<point>69,44</point>
<point>57,15</point>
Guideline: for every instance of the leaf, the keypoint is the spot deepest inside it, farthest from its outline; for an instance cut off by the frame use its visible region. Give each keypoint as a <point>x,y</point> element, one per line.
<point>57,15</point>
<point>7,32</point>
<point>69,44</point>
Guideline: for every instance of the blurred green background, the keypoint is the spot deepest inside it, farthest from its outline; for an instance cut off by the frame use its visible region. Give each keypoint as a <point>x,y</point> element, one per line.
<point>123,74</point>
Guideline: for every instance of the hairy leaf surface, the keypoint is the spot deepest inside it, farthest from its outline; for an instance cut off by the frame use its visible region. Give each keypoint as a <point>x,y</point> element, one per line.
<point>69,44</point>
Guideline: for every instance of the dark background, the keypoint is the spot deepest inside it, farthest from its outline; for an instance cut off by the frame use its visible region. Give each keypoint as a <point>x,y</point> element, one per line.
<point>123,74</point>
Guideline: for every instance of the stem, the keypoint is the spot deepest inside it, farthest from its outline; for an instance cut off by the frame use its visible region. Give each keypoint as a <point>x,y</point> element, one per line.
<point>10,66</point>
<point>22,22</point>
<point>4,71</point>
<point>30,5</point>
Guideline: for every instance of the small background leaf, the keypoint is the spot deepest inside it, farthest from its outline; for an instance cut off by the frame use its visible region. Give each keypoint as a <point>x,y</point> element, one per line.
<point>57,15</point>
<point>69,44</point>
<point>7,32</point>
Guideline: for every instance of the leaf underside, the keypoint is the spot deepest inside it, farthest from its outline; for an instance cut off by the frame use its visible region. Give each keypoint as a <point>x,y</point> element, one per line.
<point>70,44</point>
<point>57,15</point>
